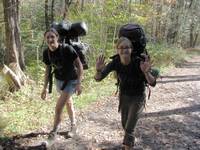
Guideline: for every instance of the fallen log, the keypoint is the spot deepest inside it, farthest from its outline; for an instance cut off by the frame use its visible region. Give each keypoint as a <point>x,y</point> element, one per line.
<point>14,76</point>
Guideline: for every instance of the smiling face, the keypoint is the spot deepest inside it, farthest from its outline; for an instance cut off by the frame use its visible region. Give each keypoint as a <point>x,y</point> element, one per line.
<point>124,49</point>
<point>51,38</point>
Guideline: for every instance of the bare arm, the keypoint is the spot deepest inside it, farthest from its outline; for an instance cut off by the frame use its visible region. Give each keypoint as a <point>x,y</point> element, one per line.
<point>146,68</point>
<point>46,80</point>
<point>100,64</point>
<point>46,76</point>
<point>79,67</point>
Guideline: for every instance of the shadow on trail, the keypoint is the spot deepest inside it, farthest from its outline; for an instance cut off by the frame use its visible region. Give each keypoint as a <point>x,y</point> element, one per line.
<point>182,78</point>
<point>170,129</point>
<point>183,110</point>
<point>110,146</point>
<point>170,133</point>
<point>12,143</point>
<point>170,79</point>
<point>190,65</point>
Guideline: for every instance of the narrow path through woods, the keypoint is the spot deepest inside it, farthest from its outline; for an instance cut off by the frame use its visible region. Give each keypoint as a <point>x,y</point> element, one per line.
<point>171,119</point>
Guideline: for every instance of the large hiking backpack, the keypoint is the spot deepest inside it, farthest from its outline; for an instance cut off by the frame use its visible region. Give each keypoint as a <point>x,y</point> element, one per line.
<point>135,34</point>
<point>69,34</point>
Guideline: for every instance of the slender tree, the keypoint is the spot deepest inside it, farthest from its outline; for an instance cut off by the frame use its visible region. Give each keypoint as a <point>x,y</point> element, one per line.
<point>82,4</point>
<point>52,10</point>
<point>14,51</point>
<point>46,14</point>
<point>66,8</point>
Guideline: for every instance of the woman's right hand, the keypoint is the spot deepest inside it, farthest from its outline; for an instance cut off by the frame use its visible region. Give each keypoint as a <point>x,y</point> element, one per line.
<point>100,63</point>
<point>44,94</point>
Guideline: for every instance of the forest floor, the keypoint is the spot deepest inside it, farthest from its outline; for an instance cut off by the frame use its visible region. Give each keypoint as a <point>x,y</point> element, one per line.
<point>171,119</point>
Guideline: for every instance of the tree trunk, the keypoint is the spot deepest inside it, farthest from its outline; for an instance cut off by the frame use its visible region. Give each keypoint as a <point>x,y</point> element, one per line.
<point>18,38</point>
<point>82,4</point>
<point>52,11</point>
<point>66,7</point>
<point>13,55</point>
<point>191,34</point>
<point>46,14</point>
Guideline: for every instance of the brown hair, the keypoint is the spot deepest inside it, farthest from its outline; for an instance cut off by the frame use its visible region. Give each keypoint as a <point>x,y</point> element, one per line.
<point>125,41</point>
<point>51,30</point>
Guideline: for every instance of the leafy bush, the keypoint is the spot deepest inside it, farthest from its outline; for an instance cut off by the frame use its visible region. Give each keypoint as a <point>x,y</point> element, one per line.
<point>164,56</point>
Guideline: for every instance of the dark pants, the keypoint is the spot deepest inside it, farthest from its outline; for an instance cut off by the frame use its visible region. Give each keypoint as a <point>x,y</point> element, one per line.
<point>131,107</point>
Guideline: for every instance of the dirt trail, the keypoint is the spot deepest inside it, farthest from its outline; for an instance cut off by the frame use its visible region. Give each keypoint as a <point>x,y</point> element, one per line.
<point>171,119</point>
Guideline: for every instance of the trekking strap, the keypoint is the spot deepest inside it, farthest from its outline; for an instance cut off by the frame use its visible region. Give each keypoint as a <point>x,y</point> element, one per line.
<point>117,90</point>
<point>50,78</point>
<point>50,74</point>
<point>149,90</point>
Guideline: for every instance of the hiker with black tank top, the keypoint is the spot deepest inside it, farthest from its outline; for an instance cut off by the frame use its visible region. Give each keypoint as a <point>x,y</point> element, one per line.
<point>68,71</point>
<point>132,74</point>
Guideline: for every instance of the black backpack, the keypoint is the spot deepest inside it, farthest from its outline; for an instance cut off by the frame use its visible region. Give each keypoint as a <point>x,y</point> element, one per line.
<point>135,34</point>
<point>53,67</point>
<point>69,34</point>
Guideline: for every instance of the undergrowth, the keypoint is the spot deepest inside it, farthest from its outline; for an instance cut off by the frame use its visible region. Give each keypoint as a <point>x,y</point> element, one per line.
<point>24,111</point>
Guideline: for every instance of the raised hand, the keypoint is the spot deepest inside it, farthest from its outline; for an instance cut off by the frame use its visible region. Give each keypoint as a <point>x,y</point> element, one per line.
<point>145,65</point>
<point>100,63</point>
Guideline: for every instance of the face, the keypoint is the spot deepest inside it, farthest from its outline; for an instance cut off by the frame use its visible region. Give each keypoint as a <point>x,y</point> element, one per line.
<point>52,40</point>
<point>124,50</point>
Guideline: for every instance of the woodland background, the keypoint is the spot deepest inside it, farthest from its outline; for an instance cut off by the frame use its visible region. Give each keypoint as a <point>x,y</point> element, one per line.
<point>171,27</point>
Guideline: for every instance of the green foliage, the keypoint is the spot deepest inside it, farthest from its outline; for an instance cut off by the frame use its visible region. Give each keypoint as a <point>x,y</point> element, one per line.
<point>5,85</point>
<point>4,123</point>
<point>35,70</point>
<point>25,110</point>
<point>93,90</point>
<point>32,27</point>
<point>164,56</point>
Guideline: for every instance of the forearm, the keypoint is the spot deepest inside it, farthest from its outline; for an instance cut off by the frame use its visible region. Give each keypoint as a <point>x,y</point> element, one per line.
<point>101,74</point>
<point>150,78</point>
<point>80,74</point>
<point>46,77</point>
<point>79,71</point>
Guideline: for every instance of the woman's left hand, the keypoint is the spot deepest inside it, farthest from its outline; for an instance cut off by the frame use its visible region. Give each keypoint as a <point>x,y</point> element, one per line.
<point>145,65</point>
<point>78,89</point>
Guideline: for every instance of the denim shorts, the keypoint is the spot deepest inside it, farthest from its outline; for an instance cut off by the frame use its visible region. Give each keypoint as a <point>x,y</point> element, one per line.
<point>69,88</point>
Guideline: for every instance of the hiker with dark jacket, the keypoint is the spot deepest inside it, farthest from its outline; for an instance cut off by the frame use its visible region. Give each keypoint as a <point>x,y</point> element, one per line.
<point>133,74</point>
<point>68,72</point>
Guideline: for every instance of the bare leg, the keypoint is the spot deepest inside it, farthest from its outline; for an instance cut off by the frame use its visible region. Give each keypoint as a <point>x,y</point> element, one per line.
<point>71,111</point>
<point>59,108</point>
